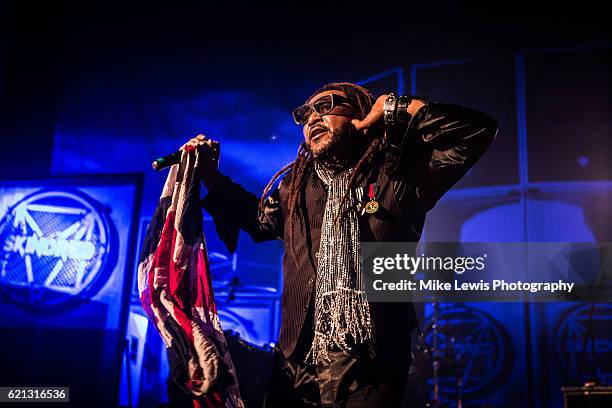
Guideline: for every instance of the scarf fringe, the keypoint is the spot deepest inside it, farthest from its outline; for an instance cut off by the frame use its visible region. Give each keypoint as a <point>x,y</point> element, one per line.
<point>343,320</point>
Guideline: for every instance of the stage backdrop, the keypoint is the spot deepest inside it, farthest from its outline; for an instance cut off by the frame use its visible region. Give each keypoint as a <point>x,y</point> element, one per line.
<point>66,250</point>
<point>546,178</point>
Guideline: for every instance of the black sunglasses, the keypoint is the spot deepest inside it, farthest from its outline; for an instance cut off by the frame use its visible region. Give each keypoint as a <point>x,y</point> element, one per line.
<point>322,106</point>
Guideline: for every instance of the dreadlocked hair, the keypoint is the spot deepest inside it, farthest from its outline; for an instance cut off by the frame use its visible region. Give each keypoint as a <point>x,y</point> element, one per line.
<point>362,100</point>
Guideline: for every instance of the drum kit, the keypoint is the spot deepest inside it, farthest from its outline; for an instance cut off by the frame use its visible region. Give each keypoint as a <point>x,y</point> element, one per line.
<point>437,363</point>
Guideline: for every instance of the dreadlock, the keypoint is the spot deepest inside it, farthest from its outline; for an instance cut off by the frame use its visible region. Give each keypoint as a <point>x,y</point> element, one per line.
<point>362,100</point>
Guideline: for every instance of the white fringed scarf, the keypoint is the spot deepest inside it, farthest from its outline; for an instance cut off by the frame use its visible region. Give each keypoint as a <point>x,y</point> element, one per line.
<point>342,313</point>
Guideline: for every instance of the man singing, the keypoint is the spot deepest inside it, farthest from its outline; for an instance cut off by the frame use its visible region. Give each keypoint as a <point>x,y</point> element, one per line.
<point>368,170</point>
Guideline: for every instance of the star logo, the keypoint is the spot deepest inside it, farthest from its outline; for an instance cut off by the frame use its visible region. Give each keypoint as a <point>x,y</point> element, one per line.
<point>53,243</point>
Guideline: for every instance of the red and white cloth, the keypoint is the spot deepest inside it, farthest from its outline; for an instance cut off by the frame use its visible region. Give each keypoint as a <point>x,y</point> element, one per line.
<point>176,292</point>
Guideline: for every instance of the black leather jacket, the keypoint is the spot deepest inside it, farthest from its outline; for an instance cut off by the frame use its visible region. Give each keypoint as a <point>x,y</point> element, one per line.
<point>421,162</point>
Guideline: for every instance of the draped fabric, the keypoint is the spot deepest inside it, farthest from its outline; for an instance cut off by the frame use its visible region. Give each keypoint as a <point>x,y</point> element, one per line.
<point>176,292</point>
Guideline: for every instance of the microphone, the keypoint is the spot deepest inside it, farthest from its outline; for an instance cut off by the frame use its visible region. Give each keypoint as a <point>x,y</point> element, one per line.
<point>167,161</point>
<point>175,158</point>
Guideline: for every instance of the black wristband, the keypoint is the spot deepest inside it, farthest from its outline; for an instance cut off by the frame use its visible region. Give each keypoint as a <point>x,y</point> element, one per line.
<point>390,110</point>
<point>402,109</point>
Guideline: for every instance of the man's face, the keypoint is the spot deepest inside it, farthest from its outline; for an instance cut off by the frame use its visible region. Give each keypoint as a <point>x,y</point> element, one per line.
<point>325,135</point>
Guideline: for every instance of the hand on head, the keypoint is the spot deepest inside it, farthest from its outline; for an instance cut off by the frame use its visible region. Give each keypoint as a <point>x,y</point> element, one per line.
<point>373,118</point>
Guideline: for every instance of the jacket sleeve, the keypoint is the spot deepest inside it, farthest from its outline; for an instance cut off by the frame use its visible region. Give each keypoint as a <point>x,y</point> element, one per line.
<point>233,208</point>
<point>439,145</point>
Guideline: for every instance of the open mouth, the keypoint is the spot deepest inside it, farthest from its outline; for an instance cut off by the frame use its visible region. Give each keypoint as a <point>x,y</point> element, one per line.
<point>317,133</point>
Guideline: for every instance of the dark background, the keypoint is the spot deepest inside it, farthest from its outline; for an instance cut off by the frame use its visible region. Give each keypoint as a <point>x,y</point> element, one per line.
<point>49,48</point>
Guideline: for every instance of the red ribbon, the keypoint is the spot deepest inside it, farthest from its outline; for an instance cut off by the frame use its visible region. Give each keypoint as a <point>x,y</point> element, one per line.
<point>371,193</point>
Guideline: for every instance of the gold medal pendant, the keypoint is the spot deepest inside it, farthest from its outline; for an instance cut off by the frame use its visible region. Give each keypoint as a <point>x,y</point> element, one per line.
<point>371,206</point>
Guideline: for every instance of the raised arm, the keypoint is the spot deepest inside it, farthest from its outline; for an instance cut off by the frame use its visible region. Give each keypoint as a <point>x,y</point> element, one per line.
<point>232,207</point>
<point>440,144</point>
<point>436,146</point>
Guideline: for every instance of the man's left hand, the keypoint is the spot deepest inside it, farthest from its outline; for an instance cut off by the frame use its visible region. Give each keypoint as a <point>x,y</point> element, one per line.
<point>374,117</point>
<point>378,109</point>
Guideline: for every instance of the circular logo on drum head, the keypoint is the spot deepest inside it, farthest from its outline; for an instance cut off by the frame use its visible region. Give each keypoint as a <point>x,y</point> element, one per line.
<point>474,353</point>
<point>582,343</point>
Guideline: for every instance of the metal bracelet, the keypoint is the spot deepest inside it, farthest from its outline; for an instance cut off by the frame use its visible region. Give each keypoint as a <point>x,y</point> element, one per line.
<point>390,110</point>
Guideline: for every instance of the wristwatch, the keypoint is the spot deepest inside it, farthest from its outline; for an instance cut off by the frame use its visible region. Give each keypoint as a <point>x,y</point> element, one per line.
<point>390,110</point>
<point>396,109</point>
